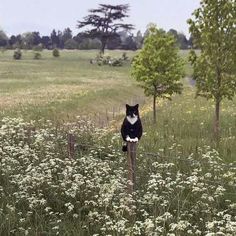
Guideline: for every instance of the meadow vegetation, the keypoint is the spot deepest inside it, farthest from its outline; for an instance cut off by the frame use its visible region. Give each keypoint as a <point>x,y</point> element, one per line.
<point>62,88</point>
<point>185,181</point>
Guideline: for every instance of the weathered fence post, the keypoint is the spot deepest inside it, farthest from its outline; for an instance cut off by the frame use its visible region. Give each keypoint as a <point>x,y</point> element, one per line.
<point>132,149</point>
<point>113,113</point>
<point>71,145</point>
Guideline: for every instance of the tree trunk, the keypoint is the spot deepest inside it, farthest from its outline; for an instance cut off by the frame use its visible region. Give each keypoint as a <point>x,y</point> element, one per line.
<point>217,119</point>
<point>104,42</point>
<point>154,110</point>
<point>217,107</point>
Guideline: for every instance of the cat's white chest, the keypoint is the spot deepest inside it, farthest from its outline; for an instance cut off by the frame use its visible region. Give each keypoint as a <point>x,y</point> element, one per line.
<point>132,120</point>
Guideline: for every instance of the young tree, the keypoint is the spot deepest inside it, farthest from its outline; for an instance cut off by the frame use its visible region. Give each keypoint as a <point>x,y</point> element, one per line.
<point>105,21</point>
<point>158,67</point>
<point>214,32</point>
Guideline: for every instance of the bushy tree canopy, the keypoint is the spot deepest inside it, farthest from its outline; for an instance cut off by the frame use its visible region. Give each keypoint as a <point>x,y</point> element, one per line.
<point>105,21</point>
<point>158,67</point>
<point>3,39</point>
<point>213,29</point>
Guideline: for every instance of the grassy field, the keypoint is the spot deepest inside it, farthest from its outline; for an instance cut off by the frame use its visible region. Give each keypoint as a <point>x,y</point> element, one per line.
<point>65,87</point>
<point>185,181</point>
<point>186,124</point>
<point>59,89</point>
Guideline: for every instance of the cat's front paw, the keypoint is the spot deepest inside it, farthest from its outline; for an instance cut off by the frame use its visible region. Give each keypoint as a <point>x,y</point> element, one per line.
<point>128,139</point>
<point>135,140</point>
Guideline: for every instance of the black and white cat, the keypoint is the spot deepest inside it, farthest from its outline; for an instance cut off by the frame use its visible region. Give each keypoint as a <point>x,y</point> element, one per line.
<point>131,129</point>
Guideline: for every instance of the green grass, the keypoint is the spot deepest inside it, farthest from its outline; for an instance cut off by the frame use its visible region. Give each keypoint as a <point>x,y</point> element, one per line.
<point>176,172</point>
<point>68,86</point>
<point>62,88</point>
<point>186,124</point>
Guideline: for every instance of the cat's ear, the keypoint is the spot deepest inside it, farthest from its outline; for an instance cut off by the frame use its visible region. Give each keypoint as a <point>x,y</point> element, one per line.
<point>127,106</point>
<point>136,106</point>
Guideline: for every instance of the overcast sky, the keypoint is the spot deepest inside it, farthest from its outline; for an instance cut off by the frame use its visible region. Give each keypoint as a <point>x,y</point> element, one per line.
<point>19,16</point>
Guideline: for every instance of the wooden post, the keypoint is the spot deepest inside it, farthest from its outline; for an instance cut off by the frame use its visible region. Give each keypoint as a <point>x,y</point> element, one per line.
<point>107,116</point>
<point>113,113</point>
<point>132,149</point>
<point>71,145</point>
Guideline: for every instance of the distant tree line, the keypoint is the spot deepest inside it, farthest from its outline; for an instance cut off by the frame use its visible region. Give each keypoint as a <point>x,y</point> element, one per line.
<point>65,40</point>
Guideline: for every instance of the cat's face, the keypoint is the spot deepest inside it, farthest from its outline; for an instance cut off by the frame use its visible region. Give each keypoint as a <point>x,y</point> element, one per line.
<point>132,111</point>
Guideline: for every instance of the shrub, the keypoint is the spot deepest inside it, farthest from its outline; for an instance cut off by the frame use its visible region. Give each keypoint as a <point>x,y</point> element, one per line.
<point>117,62</point>
<point>55,52</point>
<point>17,54</point>
<point>124,56</point>
<point>37,56</point>
<point>107,60</point>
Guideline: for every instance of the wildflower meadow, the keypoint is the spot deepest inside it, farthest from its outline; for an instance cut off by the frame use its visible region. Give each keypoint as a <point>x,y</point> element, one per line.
<point>44,191</point>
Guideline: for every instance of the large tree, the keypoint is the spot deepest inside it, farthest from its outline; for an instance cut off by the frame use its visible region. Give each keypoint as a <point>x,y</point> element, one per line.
<point>181,39</point>
<point>46,41</point>
<point>27,40</point>
<point>158,67</point>
<point>55,39</point>
<point>139,39</point>
<point>213,29</point>
<point>105,21</point>
<point>3,39</point>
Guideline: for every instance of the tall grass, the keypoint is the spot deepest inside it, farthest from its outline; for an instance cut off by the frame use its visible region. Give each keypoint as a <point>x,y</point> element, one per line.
<point>43,191</point>
<point>187,123</point>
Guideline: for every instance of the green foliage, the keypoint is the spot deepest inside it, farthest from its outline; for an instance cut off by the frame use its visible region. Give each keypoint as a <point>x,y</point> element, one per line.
<point>158,68</point>
<point>3,39</point>
<point>117,62</point>
<point>214,32</point>
<point>181,39</point>
<point>124,56</point>
<point>104,26</point>
<point>46,192</point>
<point>27,40</point>
<point>88,43</point>
<point>67,35</point>
<point>37,55</point>
<point>108,60</point>
<point>139,39</point>
<point>55,52</point>
<point>71,44</point>
<point>17,54</point>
